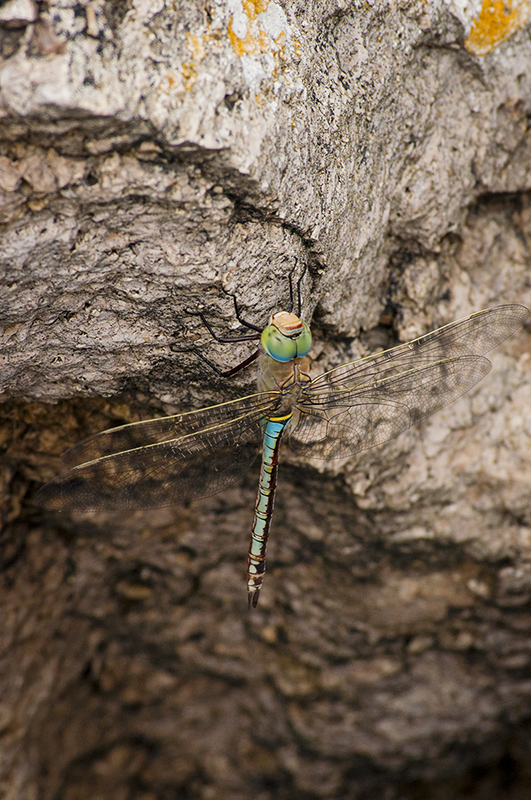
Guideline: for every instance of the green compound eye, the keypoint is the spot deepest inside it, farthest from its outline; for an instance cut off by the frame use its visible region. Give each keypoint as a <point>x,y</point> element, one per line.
<point>283,348</point>
<point>278,346</point>
<point>304,341</point>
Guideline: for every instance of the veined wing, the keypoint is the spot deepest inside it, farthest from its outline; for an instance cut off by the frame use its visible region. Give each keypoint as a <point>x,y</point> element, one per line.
<point>366,402</point>
<point>162,461</point>
<point>340,423</point>
<point>162,429</point>
<point>474,335</point>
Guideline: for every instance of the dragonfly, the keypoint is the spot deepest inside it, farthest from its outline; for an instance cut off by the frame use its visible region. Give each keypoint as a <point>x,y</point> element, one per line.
<point>353,407</point>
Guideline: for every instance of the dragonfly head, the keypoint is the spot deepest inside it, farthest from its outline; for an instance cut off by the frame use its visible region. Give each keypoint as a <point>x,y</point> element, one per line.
<point>286,337</point>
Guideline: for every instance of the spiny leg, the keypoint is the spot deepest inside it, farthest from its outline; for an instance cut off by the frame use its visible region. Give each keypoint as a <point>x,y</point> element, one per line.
<point>298,285</point>
<point>225,340</point>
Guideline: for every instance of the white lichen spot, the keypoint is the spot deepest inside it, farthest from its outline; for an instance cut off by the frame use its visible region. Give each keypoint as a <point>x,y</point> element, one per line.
<point>274,21</point>
<point>253,71</point>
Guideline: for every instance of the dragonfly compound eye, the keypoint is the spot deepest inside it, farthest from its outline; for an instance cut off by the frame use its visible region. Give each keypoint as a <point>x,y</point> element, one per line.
<point>278,346</point>
<point>304,341</point>
<point>284,346</point>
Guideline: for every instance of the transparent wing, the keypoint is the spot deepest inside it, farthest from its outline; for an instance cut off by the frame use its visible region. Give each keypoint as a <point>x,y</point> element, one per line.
<point>162,461</point>
<point>473,335</point>
<point>338,424</point>
<point>366,402</point>
<point>159,431</point>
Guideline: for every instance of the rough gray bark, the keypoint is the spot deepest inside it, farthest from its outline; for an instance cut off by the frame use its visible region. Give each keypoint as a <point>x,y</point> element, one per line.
<point>154,153</point>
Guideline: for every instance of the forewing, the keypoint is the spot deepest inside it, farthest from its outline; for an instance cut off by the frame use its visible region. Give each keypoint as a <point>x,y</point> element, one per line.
<point>162,461</point>
<point>341,422</point>
<point>473,335</point>
<point>366,402</point>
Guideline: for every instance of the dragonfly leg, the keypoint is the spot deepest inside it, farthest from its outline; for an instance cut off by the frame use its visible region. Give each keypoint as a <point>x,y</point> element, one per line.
<point>248,337</point>
<point>298,285</point>
<point>222,373</point>
<point>225,340</point>
<point>240,319</point>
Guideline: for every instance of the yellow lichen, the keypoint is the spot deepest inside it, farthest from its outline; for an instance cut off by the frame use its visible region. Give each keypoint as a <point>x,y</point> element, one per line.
<point>256,40</point>
<point>252,45</point>
<point>189,72</point>
<point>280,42</point>
<point>497,21</point>
<point>196,46</point>
<point>254,7</point>
<point>166,83</point>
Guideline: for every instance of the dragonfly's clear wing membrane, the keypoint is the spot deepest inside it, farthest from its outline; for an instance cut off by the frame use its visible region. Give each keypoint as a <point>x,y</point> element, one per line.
<point>367,402</point>
<point>340,423</point>
<point>162,461</point>
<point>163,429</point>
<point>473,335</point>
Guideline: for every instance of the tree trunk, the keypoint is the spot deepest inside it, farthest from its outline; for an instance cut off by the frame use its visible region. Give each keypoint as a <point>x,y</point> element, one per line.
<point>156,156</point>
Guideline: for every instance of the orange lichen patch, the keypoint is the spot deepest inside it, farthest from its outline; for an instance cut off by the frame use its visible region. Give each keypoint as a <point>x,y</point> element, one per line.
<point>280,42</point>
<point>297,48</point>
<point>196,46</point>
<point>251,44</point>
<point>280,54</point>
<point>263,41</point>
<point>256,40</point>
<point>189,72</point>
<point>166,83</point>
<point>214,36</point>
<point>497,20</point>
<point>254,7</point>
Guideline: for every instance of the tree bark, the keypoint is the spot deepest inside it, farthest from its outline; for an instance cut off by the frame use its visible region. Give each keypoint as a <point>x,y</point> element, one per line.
<point>156,156</point>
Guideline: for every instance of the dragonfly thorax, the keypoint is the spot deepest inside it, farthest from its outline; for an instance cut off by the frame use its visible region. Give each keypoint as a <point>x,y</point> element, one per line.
<point>289,378</point>
<point>286,337</point>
